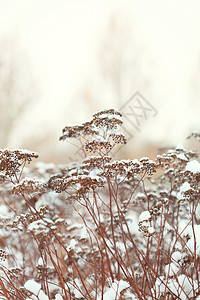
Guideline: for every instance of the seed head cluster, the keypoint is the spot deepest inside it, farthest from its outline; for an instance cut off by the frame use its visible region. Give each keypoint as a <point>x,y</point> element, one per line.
<point>100,228</point>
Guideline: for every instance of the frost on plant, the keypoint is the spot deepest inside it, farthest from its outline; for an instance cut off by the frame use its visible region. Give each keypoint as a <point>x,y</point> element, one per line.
<point>100,228</point>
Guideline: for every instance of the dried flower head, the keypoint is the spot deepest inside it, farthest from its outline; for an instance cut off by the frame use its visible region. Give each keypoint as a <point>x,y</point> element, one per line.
<point>3,255</point>
<point>29,186</point>
<point>195,135</point>
<point>12,160</point>
<point>100,134</point>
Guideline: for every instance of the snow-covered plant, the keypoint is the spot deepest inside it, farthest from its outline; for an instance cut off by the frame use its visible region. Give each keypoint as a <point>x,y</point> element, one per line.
<point>100,228</point>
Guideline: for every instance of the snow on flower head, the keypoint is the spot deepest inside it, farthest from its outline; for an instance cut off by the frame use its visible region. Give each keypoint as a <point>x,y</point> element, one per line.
<point>183,188</point>
<point>35,288</point>
<point>145,216</point>
<point>193,166</point>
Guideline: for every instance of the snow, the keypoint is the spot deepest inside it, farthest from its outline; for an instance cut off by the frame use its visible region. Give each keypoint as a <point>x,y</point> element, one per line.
<point>144,158</point>
<point>182,156</point>
<point>50,199</point>
<point>130,296</point>
<point>183,188</point>
<point>134,161</point>
<point>74,288</point>
<point>193,166</point>
<point>42,167</point>
<point>94,173</point>
<point>144,223</point>
<point>42,296</point>
<point>35,288</point>
<point>40,226</point>
<point>197,212</point>
<point>132,221</point>
<point>40,261</point>
<point>144,216</point>
<point>180,147</point>
<point>193,240</point>
<point>32,286</point>
<point>58,297</point>
<point>30,181</point>
<point>177,256</point>
<point>182,227</point>
<point>72,244</point>
<point>5,212</point>
<point>151,230</point>
<point>182,286</point>
<point>22,151</point>
<point>83,233</point>
<point>174,267</point>
<point>121,246</point>
<point>171,269</point>
<point>115,290</point>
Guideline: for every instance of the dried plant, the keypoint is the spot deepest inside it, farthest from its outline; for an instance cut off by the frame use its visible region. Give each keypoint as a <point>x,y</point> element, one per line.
<point>101,228</point>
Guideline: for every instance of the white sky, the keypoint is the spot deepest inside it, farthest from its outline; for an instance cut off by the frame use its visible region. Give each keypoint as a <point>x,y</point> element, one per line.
<point>61,38</point>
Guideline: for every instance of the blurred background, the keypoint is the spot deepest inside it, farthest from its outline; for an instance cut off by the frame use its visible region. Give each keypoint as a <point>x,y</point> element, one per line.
<point>63,60</point>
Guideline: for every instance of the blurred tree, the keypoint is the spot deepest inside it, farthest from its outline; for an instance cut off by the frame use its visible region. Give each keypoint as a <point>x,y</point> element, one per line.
<point>118,57</point>
<point>122,65</point>
<point>16,88</point>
